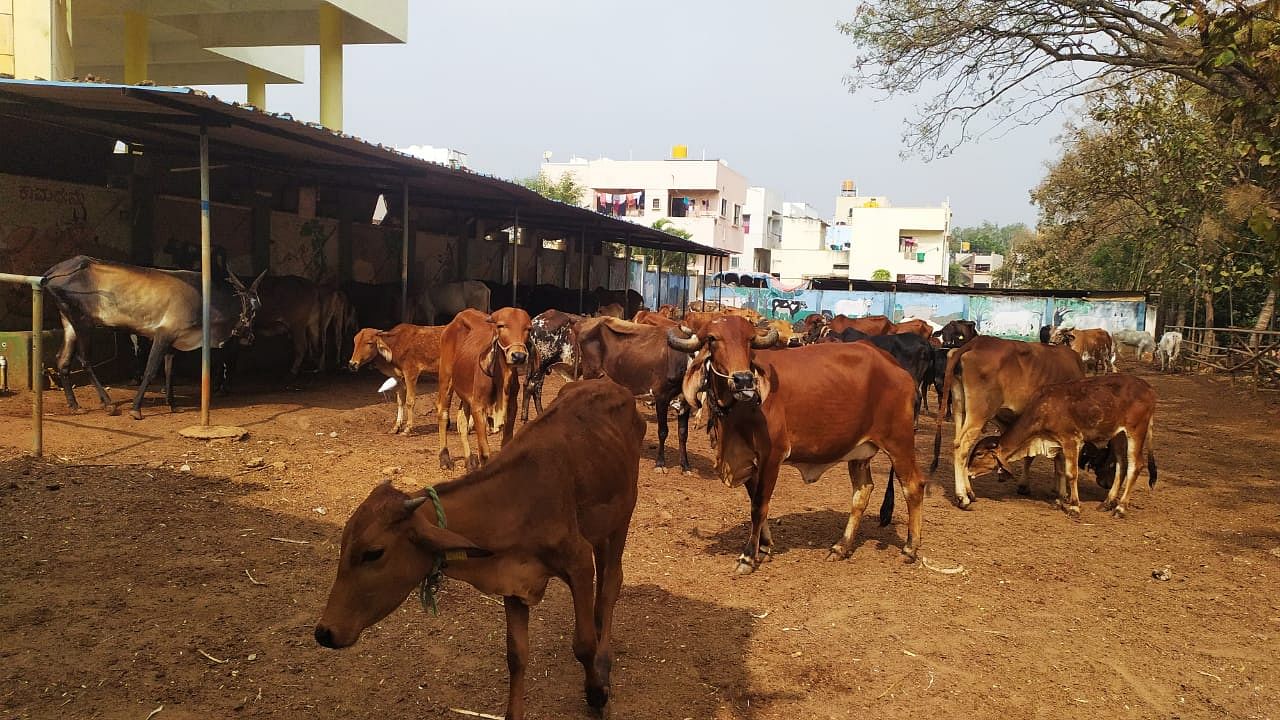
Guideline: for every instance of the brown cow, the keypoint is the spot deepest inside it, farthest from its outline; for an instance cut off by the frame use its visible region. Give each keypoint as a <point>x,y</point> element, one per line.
<point>991,378</point>
<point>812,408</point>
<point>871,324</point>
<point>913,326</point>
<point>1095,347</point>
<point>751,315</point>
<point>556,502</point>
<point>404,353</point>
<point>786,336</point>
<point>337,322</point>
<point>1099,411</point>
<point>637,357</point>
<point>291,306</point>
<point>478,359</point>
<point>654,318</point>
<point>610,310</point>
<point>629,300</point>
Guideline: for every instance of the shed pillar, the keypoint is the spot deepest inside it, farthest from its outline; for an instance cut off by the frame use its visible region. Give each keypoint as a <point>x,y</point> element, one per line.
<point>137,48</point>
<point>256,87</point>
<point>330,67</point>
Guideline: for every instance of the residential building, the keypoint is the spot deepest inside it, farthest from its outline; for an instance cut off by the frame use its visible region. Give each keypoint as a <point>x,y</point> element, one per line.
<point>761,230</point>
<point>909,243</point>
<point>441,156</point>
<point>804,250</point>
<point>976,269</point>
<point>195,42</point>
<point>704,197</point>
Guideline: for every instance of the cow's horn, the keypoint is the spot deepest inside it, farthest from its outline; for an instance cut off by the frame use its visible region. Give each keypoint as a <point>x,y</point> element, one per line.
<point>689,345</point>
<point>257,281</point>
<point>234,279</point>
<point>768,340</point>
<point>414,503</point>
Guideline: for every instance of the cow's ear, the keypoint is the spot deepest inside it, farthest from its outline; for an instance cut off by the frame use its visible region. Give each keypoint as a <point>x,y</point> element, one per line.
<point>489,319</point>
<point>382,348</point>
<point>437,540</point>
<point>763,386</point>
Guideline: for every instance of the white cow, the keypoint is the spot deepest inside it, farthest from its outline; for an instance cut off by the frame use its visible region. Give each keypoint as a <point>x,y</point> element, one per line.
<point>1140,340</point>
<point>853,308</point>
<point>1011,322</point>
<point>1168,349</point>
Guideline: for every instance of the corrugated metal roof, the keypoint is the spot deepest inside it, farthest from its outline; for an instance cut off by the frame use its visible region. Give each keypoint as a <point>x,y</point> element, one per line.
<point>170,118</point>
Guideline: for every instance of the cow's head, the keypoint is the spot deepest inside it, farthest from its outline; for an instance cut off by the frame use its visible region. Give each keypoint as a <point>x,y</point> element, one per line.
<point>1061,336</point>
<point>511,334</point>
<point>368,345</point>
<point>1101,461</point>
<point>985,457</point>
<point>249,306</point>
<point>728,341</point>
<point>388,548</point>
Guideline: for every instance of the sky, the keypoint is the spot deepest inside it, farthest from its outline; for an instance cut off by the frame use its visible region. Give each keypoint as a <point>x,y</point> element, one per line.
<point>756,83</point>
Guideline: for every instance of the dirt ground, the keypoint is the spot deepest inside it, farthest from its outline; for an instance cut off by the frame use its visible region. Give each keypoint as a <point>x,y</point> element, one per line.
<point>131,583</point>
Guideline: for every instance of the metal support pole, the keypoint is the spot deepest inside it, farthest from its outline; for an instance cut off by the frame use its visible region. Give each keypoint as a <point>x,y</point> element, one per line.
<point>720,281</point>
<point>626,277</point>
<point>582,269</point>
<point>684,294</point>
<point>404,256</point>
<point>706,266</point>
<point>206,277</point>
<point>515,257</point>
<point>37,370</point>
<point>658,299</point>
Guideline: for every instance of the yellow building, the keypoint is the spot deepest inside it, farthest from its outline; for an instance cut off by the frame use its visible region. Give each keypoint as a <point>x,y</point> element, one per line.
<point>194,42</point>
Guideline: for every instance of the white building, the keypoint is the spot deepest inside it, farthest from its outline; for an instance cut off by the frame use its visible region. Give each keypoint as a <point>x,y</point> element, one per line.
<point>805,250</point>
<point>441,156</point>
<point>704,197</point>
<point>976,269</point>
<point>761,230</point>
<point>910,243</point>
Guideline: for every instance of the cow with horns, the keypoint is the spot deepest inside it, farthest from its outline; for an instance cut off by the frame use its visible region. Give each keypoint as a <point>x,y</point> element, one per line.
<point>163,306</point>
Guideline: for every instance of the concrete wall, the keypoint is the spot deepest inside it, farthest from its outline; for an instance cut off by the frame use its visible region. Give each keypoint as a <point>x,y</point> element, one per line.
<point>6,37</point>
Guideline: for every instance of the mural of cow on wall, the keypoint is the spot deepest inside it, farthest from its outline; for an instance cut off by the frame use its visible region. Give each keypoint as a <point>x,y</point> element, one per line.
<point>1013,318</point>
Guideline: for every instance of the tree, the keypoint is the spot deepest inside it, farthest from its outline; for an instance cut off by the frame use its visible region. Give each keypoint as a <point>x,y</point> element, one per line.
<point>566,189</point>
<point>672,261</point>
<point>881,275</point>
<point>996,64</point>
<point>986,238</point>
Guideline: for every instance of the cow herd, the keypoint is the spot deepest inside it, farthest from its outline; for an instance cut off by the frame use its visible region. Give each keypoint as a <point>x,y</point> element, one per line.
<point>557,499</point>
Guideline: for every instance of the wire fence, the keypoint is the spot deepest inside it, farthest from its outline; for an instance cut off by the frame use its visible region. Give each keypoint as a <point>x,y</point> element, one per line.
<point>1235,351</point>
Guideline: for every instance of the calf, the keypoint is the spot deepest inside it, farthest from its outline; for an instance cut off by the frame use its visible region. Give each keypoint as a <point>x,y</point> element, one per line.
<point>1140,340</point>
<point>1169,348</point>
<point>993,379</point>
<point>480,355</point>
<point>611,310</point>
<point>337,322</point>
<point>553,343</point>
<point>291,305</point>
<point>1094,346</point>
<point>404,353</point>
<point>511,527</point>
<point>1062,418</point>
<point>812,407</point>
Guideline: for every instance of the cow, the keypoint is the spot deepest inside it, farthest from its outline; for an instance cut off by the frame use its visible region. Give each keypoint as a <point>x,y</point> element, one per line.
<point>871,324</point>
<point>789,305</point>
<point>162,305</point>
<point>1169,348</point>
<point>1140,340</point>
<point>993,379</point>
<point>403,353</point>
<point>910,351</point>
<point>1062,418</point>
<point>650,317</point>
<point>451,298</point>
<point>507,529</point>
<point>552,342</point>
<point>376,305</point>
<point>543,297</point>
<point>912,326</point>
<point>858,307</point>
<point>786,335</point>
<point>667,310</point>
<point>1094,346</point>
<point>291,306</point>
<point>751,315</point>
<point>629,300</point>
<point>638,358</point>
<point>812,408</point>
<point>957,332</point>
<point>337,322</point>
<point>1046,333</point>
<point>479,358</point>
<point>613,310</point>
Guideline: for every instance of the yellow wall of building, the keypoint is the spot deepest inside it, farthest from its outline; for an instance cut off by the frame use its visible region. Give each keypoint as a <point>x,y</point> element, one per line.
<point>41,31</point>
<point>6,37</point>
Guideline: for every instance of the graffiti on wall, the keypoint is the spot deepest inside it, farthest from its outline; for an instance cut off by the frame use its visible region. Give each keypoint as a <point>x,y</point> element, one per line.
<point>937,308</point>
<point>1014,318</point>
<point>1105,314</point>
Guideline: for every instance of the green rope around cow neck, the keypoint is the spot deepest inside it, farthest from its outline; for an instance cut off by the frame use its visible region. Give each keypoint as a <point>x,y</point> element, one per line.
<point>427,593</point>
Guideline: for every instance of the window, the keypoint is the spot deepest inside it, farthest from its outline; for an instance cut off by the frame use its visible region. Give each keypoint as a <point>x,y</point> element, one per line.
<point>733,261</point>
<point>982,267</point>
<point>746,223</point>
<point>737,214</point>
<point>657,203</point>
<point>724,207</point>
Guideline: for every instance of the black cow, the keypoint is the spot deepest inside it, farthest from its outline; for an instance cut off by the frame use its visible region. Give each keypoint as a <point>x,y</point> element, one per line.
<point>791,305</point>
<point>912,352</point>
<point>957,332</point>
<point>162,305</point>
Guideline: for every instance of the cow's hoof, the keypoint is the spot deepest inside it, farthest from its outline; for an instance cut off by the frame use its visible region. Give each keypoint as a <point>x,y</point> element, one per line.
<point>660,469</point>
<point>836,553</point>
<point>173,409</point>
<point>406,431</point>
<point>473,463</point>
<point>113,409</point>
<point>135,414</point>
<point>965,502</point>
<point>1024,489</point>
<point>1072,511</point>
<point>446,462</point>
<point>909,553</point>
<point>1119,512</point>
<point>597,697</point>
<point>744,568</point>
<point>686,471</point>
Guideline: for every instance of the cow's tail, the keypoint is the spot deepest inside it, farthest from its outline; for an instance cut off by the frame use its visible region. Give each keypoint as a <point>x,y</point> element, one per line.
<point>1151,455</point>
<point>886,506</point>
<point>944,406</point>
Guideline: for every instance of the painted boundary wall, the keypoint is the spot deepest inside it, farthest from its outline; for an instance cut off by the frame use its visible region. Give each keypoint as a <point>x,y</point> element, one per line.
<point>1016,317</point>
